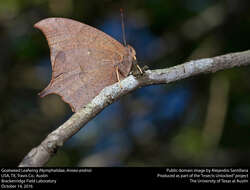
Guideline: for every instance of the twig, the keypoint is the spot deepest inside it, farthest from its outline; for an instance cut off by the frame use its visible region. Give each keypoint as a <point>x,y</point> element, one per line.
<point>40,155</point>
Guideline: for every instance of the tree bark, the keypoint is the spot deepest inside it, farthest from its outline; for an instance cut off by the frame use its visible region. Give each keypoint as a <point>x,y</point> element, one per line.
<point>41,154</point>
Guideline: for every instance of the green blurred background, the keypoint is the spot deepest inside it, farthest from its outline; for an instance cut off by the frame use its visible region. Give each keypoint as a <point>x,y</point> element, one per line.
<point>200,121</point>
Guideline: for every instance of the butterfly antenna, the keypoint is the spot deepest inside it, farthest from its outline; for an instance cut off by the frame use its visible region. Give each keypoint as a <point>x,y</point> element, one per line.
<point>123,28</point>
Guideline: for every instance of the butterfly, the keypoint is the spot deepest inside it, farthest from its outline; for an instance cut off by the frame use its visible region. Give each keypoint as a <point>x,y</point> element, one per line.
<point>84,60</point>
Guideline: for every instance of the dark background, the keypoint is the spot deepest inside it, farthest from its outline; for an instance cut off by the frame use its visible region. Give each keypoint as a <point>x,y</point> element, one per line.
<point>200,121</point>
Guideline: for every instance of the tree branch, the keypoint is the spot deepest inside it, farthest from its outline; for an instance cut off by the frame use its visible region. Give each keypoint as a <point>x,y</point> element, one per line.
<point>40,155</point>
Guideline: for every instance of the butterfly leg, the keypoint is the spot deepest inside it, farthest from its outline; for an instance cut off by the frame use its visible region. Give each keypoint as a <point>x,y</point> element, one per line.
<point>139,68</point>
<point>117,75</point>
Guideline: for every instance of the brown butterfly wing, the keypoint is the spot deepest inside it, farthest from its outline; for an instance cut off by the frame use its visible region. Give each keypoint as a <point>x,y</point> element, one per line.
<point>83,60</point>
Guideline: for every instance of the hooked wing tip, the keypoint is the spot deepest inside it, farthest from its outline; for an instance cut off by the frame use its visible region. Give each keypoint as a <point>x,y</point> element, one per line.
<point>45,91</point>
<point>42,94</point>
<point>40,24</point>
<point>44,23</point>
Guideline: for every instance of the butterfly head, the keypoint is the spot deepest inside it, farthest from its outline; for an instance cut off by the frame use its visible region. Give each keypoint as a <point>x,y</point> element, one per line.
<point>131,53</point>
